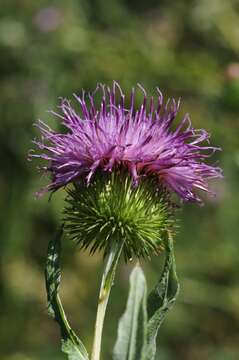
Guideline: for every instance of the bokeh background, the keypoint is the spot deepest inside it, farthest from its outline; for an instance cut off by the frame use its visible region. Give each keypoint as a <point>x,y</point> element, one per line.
<point>190,49</point>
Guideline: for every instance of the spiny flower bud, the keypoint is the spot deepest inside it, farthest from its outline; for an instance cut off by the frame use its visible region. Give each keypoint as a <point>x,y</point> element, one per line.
<point>111,210</point>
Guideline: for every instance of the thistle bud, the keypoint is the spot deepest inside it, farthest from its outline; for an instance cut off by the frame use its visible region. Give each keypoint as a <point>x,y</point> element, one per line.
<point>110,209</point>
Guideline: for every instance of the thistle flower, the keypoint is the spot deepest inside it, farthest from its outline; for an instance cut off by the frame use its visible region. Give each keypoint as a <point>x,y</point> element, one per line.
<point>141,141</point>
<point>124,163</point>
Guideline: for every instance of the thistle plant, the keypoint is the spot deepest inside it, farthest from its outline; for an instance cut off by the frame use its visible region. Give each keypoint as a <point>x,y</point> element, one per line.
<point>125,170</point>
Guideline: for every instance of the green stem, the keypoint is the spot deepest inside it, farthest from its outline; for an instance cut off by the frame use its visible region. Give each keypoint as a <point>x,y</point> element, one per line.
<point>106,284</point>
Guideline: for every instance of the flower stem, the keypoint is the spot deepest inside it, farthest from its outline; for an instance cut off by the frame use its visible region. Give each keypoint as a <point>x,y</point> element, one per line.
<point>106,284</point>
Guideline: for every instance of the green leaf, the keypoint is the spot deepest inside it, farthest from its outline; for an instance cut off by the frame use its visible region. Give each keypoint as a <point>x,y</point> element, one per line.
<point>71,344</point>
<point>74,352</point>
<point>132,325</point>
<point>161,300</point>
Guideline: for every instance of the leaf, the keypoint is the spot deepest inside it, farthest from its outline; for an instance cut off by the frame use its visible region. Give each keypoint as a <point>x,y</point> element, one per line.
<point>161,300</point>
<point>132,325</point>
<point>52,272</point>
<point>71,344</point>
<point>74,352</point>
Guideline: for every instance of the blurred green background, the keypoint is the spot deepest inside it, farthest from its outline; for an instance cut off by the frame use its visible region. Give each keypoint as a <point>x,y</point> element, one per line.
<point>190,49</point>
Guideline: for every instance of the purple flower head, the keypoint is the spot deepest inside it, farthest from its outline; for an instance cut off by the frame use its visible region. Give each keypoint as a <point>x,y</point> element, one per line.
<point>139,140</point>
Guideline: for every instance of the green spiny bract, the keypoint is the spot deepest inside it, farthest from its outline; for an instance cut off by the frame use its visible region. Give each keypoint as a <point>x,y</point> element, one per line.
<point>111,209</point>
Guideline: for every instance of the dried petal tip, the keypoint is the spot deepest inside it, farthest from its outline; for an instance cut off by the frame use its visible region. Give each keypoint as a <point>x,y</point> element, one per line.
<point>140,140</point>
<point>111,210</point>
